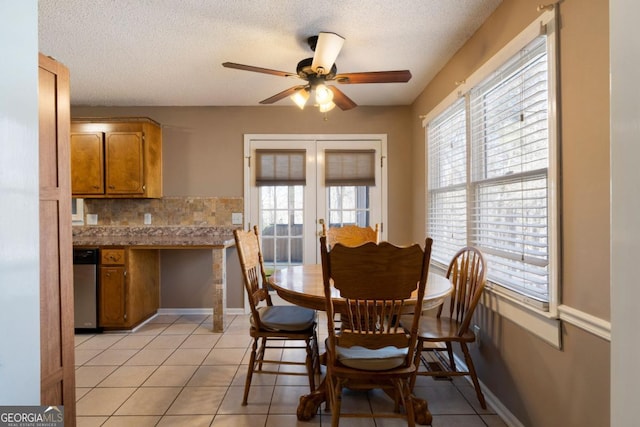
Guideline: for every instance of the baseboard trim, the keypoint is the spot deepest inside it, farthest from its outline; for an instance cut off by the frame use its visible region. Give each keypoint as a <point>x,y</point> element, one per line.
<point>502,411</point>
<point>491,399</point>
<point>185,311</point>
<point>197,311</point>
<point>586,321</point>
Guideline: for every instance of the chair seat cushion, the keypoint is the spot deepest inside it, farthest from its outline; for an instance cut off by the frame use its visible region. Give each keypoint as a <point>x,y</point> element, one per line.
<point>286,318</point>
<point>366,359</point>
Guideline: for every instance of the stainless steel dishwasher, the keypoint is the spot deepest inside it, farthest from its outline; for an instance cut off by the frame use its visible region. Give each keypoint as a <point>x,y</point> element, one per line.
<point>85,289</point>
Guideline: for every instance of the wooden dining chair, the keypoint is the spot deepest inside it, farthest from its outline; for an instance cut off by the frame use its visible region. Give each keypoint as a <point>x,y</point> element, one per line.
<point>372,350</point>
<point>272,324</point>
<point>467,273</point>
<point>349,235</point>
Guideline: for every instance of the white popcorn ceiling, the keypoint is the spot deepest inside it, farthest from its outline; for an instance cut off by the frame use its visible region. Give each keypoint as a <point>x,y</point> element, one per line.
<point>169,52</point>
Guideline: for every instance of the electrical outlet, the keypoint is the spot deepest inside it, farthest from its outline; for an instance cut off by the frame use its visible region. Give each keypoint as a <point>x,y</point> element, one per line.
<point>236,218</point>
<point>147,219</point>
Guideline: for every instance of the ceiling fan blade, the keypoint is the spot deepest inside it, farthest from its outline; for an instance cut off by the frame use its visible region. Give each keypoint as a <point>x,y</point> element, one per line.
<point>258,69</point>
<point>326,51</point>
<point>342,100</point>
<point>278,96</point>
<point>401,76</point>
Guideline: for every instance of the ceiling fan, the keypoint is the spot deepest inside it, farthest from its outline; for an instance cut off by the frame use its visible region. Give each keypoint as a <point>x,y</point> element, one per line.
<point>322,69</point>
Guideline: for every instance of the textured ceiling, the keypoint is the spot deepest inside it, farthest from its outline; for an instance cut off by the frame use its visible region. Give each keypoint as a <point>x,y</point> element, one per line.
<point>169,52</point>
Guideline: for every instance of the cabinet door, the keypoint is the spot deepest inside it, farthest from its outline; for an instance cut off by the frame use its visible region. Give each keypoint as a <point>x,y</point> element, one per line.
<point>112,296</point>
<point>125,163</point>
<point>57,368</point>
<point>87,172</point>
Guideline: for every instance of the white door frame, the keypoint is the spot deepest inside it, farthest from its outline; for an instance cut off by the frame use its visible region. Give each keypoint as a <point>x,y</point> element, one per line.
<point>316,140</point>
<point>314,144</point>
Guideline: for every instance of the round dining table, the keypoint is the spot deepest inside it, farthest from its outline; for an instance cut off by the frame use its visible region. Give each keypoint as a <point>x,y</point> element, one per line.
<point>303,285</point>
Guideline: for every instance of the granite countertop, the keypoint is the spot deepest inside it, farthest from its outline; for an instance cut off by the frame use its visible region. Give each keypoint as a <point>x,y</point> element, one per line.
<point>159,236</point>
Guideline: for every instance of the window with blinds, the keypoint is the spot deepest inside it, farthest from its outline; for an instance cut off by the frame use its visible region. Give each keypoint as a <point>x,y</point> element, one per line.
<point>280,175</point>
<point>488,174</point>
<point>447,182</point>
<point>348,175</point>
<point>510,161</point>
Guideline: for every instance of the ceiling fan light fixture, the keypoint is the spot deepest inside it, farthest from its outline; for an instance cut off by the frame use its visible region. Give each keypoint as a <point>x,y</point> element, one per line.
<point>327,49</point>
<point>300,97</point>
<point>327,106</point>
<point>316,71</point>
<point>323,94</point>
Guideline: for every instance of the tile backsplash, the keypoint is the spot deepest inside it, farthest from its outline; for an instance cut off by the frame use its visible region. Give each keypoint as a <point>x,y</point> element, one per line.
<point>184,211</point>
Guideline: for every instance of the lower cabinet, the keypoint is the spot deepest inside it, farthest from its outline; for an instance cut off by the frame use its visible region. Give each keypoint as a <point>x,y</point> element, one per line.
<point>129,286</point>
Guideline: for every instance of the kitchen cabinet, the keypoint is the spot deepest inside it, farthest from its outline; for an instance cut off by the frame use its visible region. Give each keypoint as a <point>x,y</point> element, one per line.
<point>216,239</point>
<point>112,288</point>
<point>129,286</point>
<point>116,158</point>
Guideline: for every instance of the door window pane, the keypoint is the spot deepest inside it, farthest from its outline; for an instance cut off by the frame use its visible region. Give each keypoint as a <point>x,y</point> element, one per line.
<point>281,224</point>
<point>349,205</point>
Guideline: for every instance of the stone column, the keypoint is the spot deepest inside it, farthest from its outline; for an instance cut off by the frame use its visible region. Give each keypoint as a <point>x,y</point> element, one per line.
<point>219,288</point>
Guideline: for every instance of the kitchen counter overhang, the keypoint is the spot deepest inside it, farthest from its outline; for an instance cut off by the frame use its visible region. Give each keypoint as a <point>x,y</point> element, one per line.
<point>154,236</point>
<point>216,238</point>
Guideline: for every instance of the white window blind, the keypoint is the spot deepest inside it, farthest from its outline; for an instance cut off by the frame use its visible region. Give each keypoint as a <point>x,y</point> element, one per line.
<point>488,173</point>
<point>447,180</point>
<point>510,158</point>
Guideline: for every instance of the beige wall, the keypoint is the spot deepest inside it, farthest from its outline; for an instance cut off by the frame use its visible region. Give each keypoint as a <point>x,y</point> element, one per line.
<point>202,146</point>
<point>540,385</point>
<point>202,154</point>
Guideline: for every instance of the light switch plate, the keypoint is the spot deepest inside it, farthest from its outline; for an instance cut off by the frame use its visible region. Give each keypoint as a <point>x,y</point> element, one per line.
<point>147,219</point>
<point>236,218</point>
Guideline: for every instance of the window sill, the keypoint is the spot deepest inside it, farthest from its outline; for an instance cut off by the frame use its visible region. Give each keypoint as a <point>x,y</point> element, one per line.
<point>543,324</point>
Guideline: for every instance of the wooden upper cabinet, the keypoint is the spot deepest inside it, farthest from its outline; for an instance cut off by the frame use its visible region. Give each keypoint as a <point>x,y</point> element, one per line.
<point>113,158</point>
<point>87,172</point>
<point>124,152</point>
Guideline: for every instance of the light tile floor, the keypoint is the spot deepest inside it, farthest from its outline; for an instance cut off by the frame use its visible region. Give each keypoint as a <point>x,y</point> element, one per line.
<point>173,371</point>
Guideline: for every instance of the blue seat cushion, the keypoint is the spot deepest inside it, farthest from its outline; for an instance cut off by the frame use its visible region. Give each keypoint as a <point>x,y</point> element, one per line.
<point>367,359</point>
<point>286,318</point>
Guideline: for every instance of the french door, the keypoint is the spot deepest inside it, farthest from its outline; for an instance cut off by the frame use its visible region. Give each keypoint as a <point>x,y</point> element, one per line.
<point>293,181</point>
